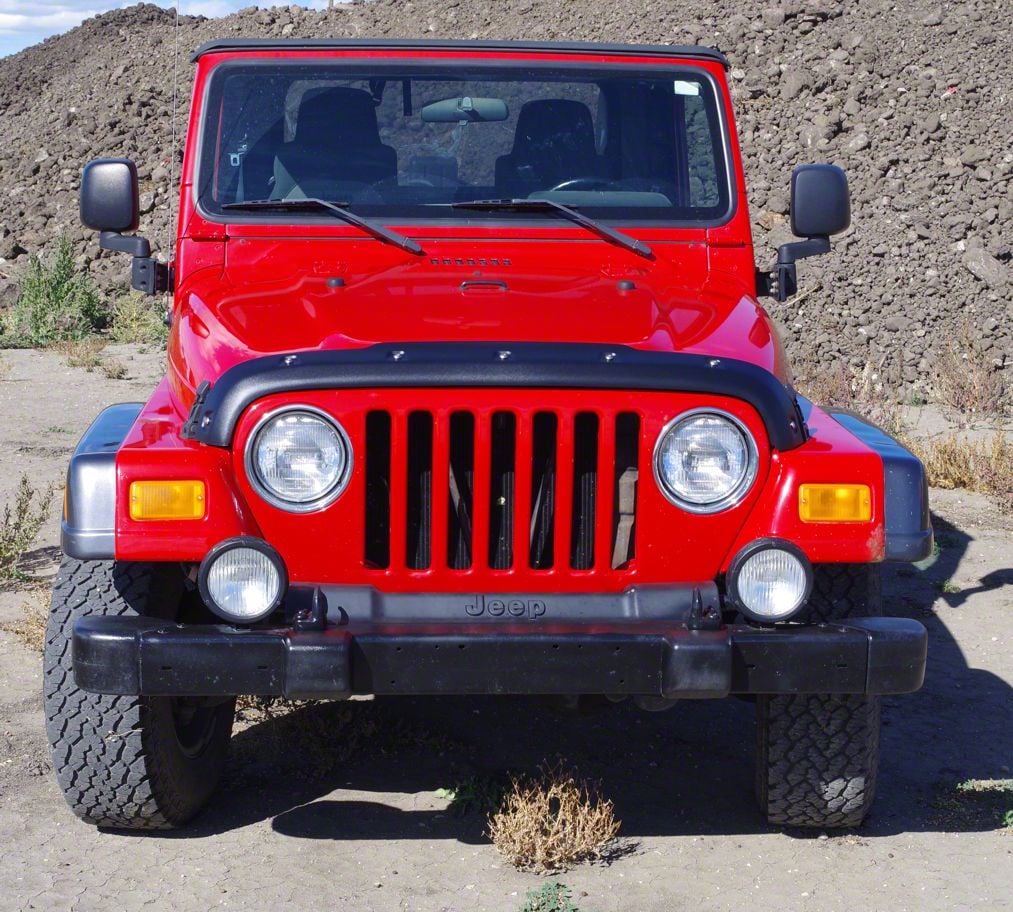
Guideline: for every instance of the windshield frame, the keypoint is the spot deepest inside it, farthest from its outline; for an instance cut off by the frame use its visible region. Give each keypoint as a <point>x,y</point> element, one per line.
<point>433,67</point>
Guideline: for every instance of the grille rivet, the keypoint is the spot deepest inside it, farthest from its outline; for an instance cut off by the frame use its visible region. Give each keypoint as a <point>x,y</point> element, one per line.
<point>397,355</point>
<point>503,355</point>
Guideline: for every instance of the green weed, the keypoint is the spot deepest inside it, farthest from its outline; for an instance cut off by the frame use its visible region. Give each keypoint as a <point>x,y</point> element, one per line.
<point>21,523</point>
<point>549,897</point>
<point>57,303</point>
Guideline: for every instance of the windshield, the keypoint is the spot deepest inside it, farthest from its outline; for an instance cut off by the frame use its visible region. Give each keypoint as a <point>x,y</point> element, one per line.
<point>396,141</point>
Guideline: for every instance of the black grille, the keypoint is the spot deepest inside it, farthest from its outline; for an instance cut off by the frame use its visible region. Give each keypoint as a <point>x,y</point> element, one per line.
<point>453,456</point>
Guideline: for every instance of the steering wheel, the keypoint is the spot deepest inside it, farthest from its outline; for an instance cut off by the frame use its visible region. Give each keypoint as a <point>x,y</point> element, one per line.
<point>583,183</point>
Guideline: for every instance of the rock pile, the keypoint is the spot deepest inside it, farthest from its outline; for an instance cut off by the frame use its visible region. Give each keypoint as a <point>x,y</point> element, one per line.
<point>913,99</point>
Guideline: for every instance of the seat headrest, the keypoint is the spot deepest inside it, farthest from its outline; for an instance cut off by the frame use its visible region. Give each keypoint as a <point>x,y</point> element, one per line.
<point>337,115</point>
<point>559,123</point>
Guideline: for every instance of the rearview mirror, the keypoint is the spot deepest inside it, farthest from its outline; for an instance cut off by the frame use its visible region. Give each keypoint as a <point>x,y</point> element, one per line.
<point>109,197</point>
<point>820,201</point>
<point>109,204</point>
<point>820,207</point>
<point>455,110</point>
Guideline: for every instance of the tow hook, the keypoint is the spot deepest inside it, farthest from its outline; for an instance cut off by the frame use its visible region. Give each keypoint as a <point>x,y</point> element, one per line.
<point>314,615</point>
<point>703,617</point>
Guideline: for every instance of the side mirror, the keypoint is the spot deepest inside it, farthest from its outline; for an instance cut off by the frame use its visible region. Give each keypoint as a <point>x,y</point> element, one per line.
<point>820,207</point>
<point>109,196</point>
<point>109,204</point>
<point>820,201</point>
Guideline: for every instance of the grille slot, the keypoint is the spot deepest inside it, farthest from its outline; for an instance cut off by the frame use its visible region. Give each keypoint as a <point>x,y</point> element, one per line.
<point>585,486</point>
<point>418,517</point>
<point>543,490</point>
<point>460,490</point>
<point>377,527</point>
<point>625,478</point>
<point>501,490</point>
<point>511,490</point>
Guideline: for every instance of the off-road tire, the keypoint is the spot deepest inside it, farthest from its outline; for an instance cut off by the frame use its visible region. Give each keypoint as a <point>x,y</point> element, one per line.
<point>843,591</point>
<point>817,755</point>
<point>119,759</point>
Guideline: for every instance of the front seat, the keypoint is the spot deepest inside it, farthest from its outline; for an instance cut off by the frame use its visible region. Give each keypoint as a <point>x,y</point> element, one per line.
<point>336,150</point>
<point>553,142</point>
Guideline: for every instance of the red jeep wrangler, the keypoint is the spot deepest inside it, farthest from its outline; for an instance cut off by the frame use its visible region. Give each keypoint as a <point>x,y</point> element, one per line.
<point>469,392</point>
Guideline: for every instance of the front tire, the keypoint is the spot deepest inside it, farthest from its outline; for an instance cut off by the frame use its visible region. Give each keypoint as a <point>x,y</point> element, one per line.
<point>817,755</point>
<point>128,762</point>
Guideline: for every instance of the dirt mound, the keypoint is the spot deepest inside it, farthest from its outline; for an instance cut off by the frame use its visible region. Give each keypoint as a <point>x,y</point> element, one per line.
<point>912,99</point>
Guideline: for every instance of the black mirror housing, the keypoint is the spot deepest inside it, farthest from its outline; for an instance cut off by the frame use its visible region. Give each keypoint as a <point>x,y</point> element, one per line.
<point>109,195</point>
<point>820,201</point>
<point>110,204</point>
<point>820,207</point>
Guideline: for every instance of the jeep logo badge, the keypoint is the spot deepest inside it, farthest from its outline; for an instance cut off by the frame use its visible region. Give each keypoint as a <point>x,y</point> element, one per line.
<point>480,605</point>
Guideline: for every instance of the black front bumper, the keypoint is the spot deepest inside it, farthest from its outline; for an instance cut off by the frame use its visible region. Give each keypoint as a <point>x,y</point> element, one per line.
<point>130,655</point>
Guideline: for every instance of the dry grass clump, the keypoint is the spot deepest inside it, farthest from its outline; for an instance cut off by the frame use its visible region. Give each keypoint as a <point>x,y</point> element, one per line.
<point>985,466</point>
<point>20,525</point>
<point>862,392</point>
<point>137,319</point>
<point>553,821</point>
<point>966,380</point>
<point>30,628</point>
<point>87,353</point>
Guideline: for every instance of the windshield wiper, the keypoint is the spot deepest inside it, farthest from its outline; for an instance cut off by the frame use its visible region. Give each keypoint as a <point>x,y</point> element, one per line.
<point>545,205</point>
<point>339,209</point>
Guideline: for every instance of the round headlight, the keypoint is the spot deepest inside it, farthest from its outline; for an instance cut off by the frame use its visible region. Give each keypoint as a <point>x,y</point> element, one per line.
<point>705,461</point>
<point>242,580</point>
<point>770,580</point>
<point>299,459</point>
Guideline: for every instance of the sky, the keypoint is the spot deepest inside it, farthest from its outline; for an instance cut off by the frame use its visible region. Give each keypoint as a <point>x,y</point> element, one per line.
<point>27,22</point>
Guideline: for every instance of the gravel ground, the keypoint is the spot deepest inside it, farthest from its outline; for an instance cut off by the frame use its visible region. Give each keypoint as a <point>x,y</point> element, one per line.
<point>367,832</point>
<point>911,98</point>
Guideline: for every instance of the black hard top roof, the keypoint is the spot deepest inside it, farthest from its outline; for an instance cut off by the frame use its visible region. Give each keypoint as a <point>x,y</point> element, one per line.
<point>566,47</point>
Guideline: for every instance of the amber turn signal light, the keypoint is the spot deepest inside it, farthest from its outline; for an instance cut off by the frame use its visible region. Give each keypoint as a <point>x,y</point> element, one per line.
<point>167,500</point>
<point>834,503</point>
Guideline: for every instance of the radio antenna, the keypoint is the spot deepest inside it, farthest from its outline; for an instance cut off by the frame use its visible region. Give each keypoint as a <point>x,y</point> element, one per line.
<point>171,245</point>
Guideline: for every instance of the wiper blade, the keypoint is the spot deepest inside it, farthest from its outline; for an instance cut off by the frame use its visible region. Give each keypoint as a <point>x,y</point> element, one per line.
<point>546,205</point>
<point>339,209</point>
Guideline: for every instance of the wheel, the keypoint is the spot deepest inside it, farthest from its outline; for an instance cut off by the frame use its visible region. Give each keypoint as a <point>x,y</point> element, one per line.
<point>122,761</point>
<point>817,755</point>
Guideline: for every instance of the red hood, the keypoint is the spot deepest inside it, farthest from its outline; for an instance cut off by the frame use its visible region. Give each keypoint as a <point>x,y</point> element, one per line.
<point>281,295</point>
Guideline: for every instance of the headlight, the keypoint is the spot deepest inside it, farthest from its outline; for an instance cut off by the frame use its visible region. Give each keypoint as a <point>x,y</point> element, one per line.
<point>299,459</point>
<point>705,461</point>
<point>242,580</point>
<point>769,580</point>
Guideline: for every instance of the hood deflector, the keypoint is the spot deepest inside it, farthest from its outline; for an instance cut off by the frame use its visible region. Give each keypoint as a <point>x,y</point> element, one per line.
<point>529,365</point>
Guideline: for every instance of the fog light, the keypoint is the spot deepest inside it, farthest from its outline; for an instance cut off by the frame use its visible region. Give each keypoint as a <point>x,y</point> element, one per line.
<point>769,580</point>
<point>167,500</point>
<point>242,580</point>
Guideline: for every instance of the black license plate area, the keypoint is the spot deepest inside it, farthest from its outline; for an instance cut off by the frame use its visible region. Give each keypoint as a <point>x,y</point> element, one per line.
<point>518,664</point>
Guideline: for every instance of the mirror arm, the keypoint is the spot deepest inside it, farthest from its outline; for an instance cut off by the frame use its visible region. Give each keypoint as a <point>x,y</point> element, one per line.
<point>146,273</point>
<point>781,282</point>
<point>121,243</point>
